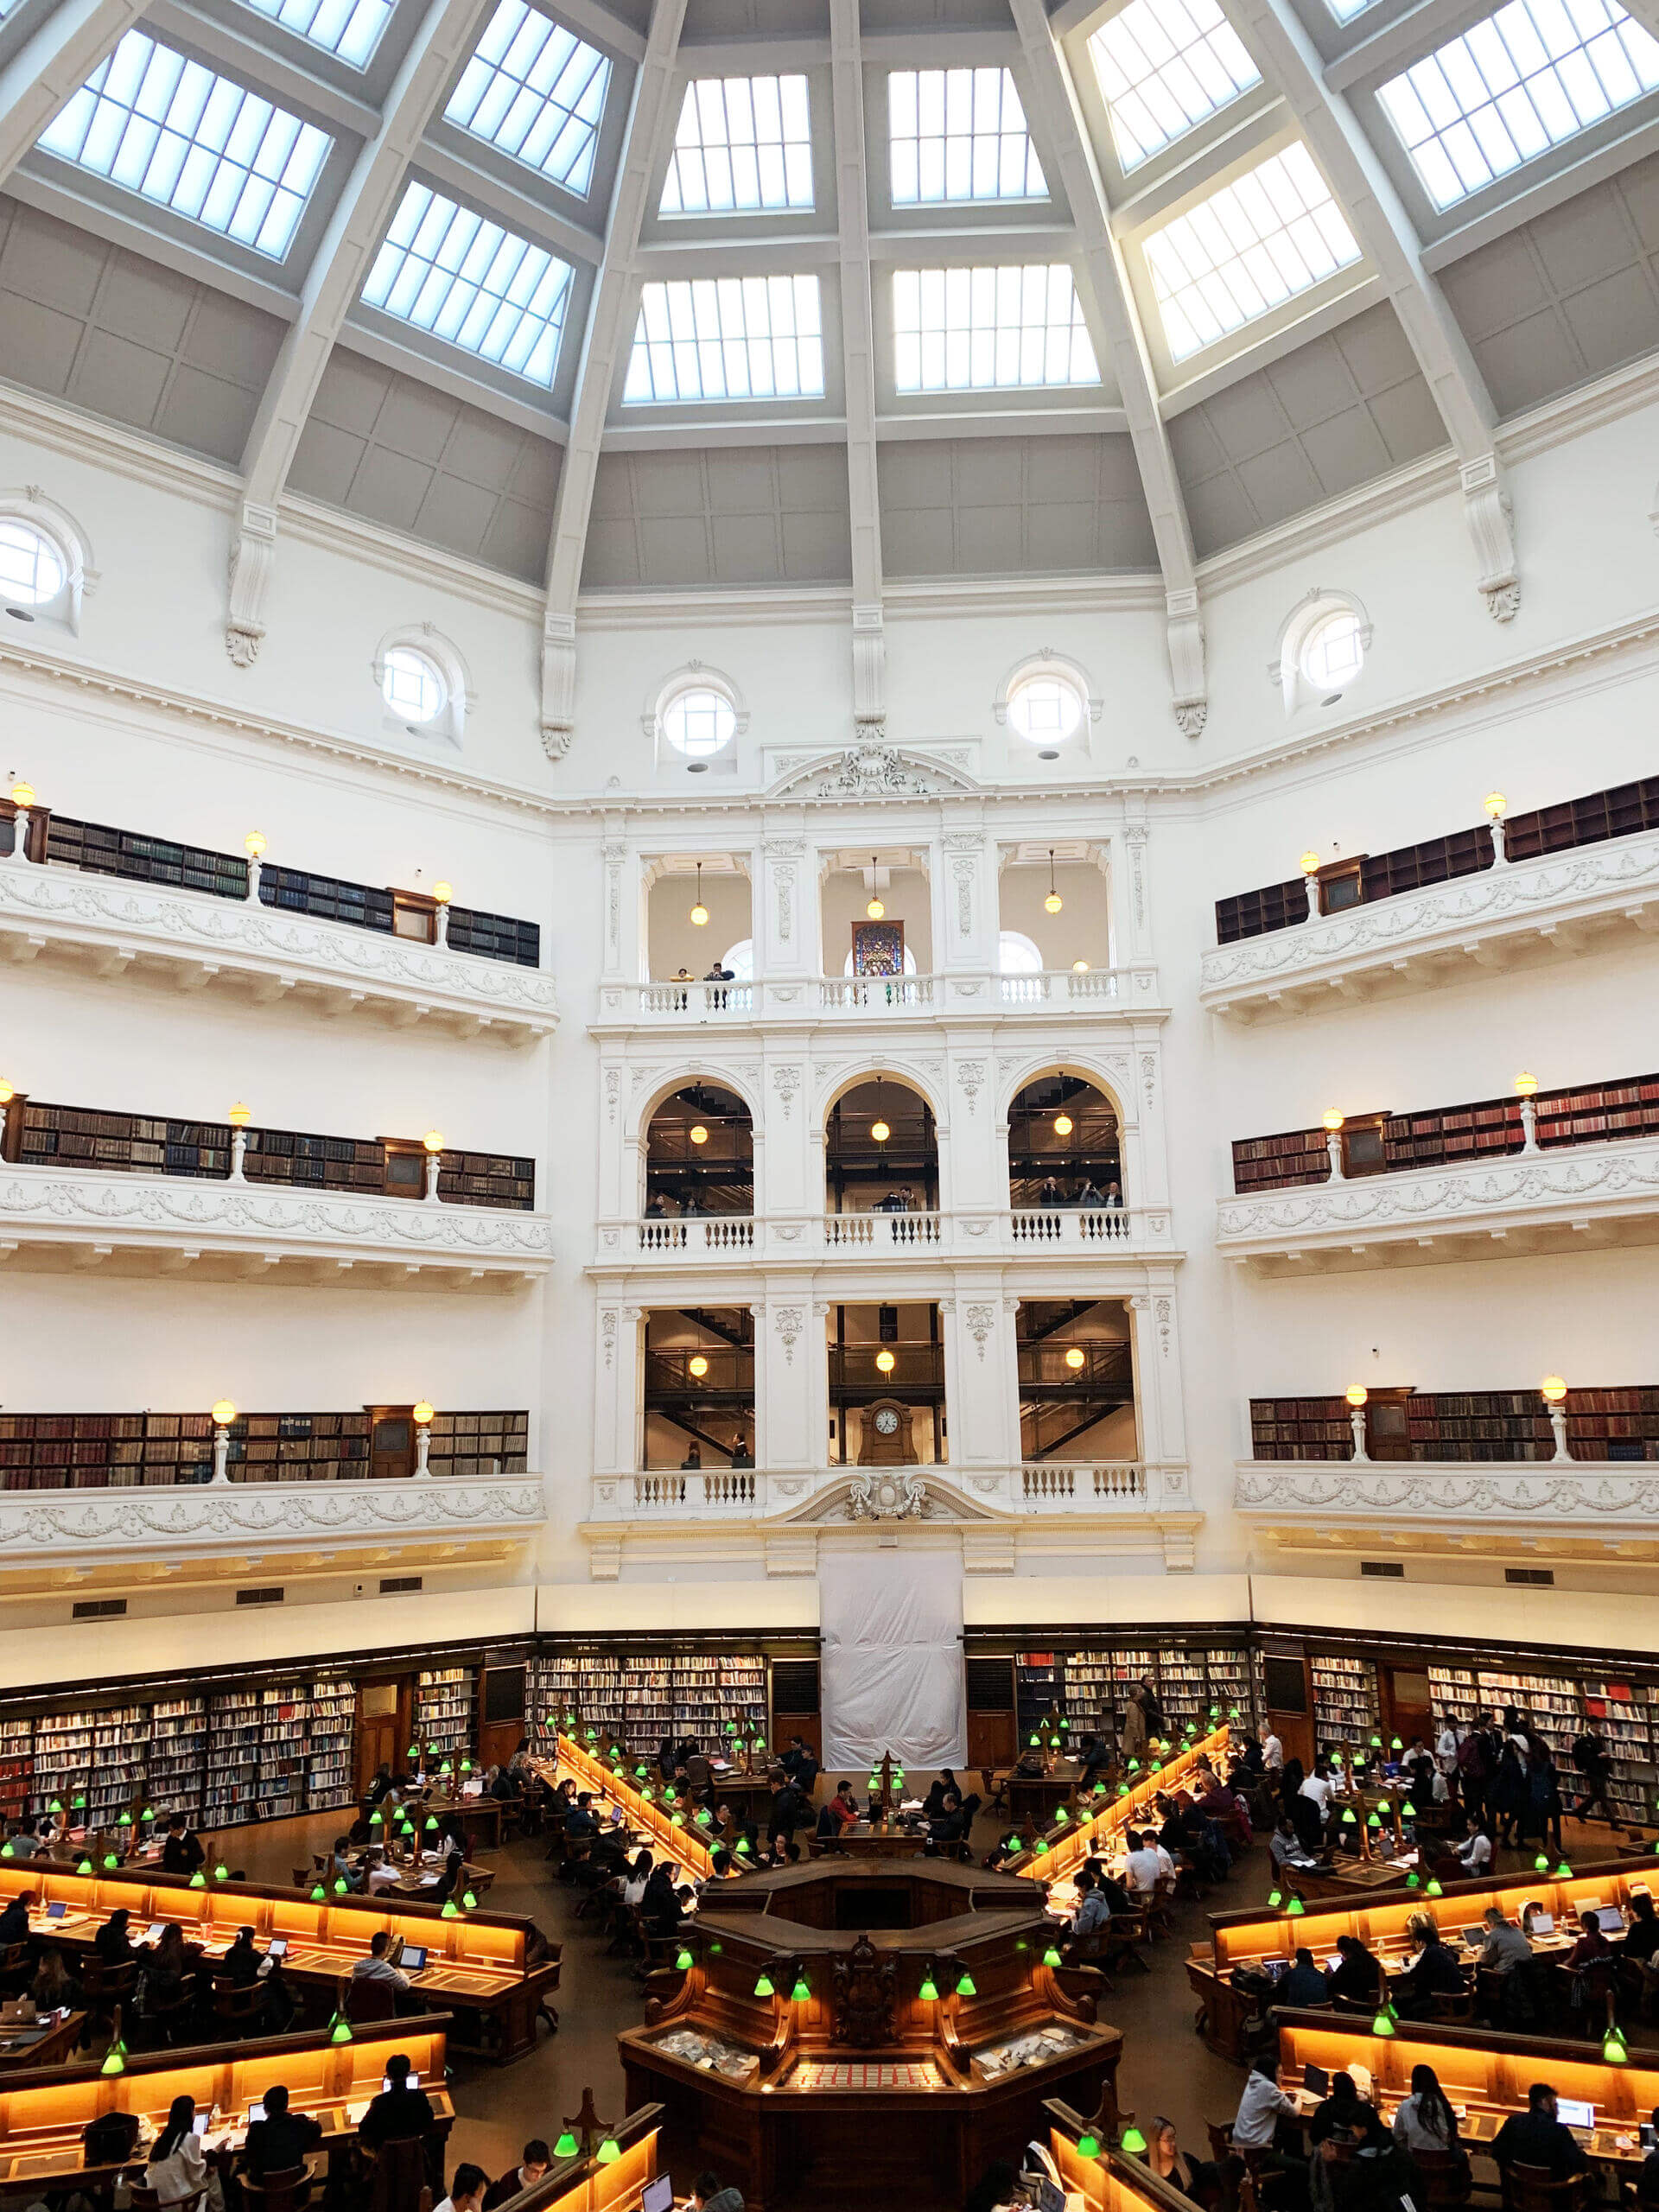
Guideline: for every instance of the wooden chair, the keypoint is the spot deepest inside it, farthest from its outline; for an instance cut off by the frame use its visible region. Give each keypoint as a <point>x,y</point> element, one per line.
<point>1454,2009</point>
<point>1161,1907</point>
<point>1529,2189</point>
<point>17,1967</point>
<point>238,2006</point>
<point>1126,1939</point>
<point>367,2000</point>
<point>398,2179</point>
<point>301,1877</point>
<point>107,1988</point>
<point>163,2018</point>
<point>145,2200</point>
<point>1448,2181</point>
<point>288,2191</point>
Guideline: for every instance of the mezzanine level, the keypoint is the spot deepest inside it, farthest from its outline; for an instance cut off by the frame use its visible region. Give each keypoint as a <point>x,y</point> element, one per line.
<point>839,1000</point>
<point>117,902</point>
<point>1001,1513</point>
<point>1589,1510</point>
<point>727,1242</point>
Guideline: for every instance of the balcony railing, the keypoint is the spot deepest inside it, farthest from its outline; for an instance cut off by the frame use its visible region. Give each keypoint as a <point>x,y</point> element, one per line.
<point>1563,902</point>
<point>1489,1509</point>
<point>731,1239</point>
<point>114,899</point>
<point>1042,1487</point>
<point>882,998</point>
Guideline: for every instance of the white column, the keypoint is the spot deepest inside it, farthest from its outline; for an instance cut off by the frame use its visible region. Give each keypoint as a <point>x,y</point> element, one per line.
<point>978,1355</point>
<point>1131,891</point>
<point>788,952</point>
<point>966,918</point>
<point>789,1376</point>
<point>621,944</point>
<point>1160,1404</point>
<point>1147,1138</point>
<point>979,1159</point>
<point>788,1136</point>
<point>616,1383</point>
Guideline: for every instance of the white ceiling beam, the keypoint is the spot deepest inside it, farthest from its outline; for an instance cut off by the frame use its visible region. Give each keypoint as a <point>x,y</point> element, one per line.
<point>230,46</point>
<point>350,240</point>
<point>48,68</point>
<point>652,116</point>
<point>532,217</point>
<point>1378,218</point>
<point>858,359</point>
<point>1057,121</point>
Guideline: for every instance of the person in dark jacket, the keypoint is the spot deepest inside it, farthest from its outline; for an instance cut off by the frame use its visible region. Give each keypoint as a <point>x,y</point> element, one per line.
<point>1357,1973</point>
<point>243,1967</point>
<point>1536,2138</point>
<point>14,1920</point>
<point>182,1852</point>
<point>707,2195</point>
<point>398,2114</point>
<point>1436,1973</point>
<point>1304,1986</point>
<point>278,2143</point>
<point>788,1812</point>
<point>112,1943</point>
<point>660,1906</point>
<point>537,2160</point>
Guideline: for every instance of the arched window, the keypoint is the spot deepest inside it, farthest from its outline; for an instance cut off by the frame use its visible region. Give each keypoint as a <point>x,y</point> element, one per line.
<point>1017,955</point>
<point>1322,649</point>
<point>695,720</point>
<point>412,685</point>
<point>1047,702</point>
<point>424,687</point>
<point>45,562</point>
<point>740,958</point>
<point>32,568</point>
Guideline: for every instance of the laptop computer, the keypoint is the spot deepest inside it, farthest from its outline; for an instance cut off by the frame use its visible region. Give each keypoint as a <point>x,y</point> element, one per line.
<point>1575,2112</point>
<point>277,1947</point>
<point>56,1910</point>
<point>1611,1920</point>
<point>1316,2080</point>
<point>413,2082</point>
<point>411,1958</point>
<point>657,2195</point>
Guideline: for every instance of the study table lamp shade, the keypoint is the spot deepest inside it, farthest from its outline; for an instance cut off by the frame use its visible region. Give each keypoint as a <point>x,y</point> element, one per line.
<point>609,2151</point>
<point>929,1991</point>
<point>567,2147</point>
<point>1131,2140</point>
<point>1089,2144</point>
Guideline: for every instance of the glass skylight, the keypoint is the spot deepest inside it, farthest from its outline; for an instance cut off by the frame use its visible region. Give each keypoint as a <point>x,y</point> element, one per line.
<point>469,281</point>
<point>1509,89</point>
<point>742,143</point>
<point>537,91</point>
<point>728,338</point>
<point>350,28</point>
<point>959,134</point>
<point>977,330</point>
<point>171,131</point>
<point>1162,67</point>
<point>1256,243</point>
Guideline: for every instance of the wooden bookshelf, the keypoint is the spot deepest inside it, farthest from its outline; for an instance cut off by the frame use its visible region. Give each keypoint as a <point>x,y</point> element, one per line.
<point>1445,1136</point>
<point>151,1144</point>
<point>120,1450</point>
<point>445,1724</point>
<point>1346,1707</point>
<point>1623,811</point>
<point>1559,1704</point>
<point>1615,1424</point>
<point>1091,1685</point>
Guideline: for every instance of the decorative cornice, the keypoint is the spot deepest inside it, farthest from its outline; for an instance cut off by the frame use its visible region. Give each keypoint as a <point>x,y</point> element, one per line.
<point>35,1524</point>
<point>39,1206</point>
<point>1482,1200</point>
<point>1617,879</point>
<point>116,921</point>
<point>1558,1495</point>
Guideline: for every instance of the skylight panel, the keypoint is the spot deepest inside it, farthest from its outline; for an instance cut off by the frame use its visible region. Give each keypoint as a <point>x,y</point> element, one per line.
<point>537,91</point>
<point>984,329</point>
<point>1162,67</point>
<point>444,270</point>
<point>169,130</point>
<point>350,28</point>
<point>742,143</point>
<point>728,338</point>
<point>1245,250</point>
<point>959,134</point>
<point>1511,87</point>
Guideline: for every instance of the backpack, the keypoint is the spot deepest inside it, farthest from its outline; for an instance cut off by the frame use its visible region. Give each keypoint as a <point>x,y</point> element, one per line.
<point>1471,1757</point>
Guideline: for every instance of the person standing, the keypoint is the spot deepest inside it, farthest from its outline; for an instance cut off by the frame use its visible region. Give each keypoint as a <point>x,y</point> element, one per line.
<point>1592,1758</point>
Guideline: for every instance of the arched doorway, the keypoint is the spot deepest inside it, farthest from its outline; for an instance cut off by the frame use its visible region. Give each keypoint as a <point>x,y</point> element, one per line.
<point>699,1155</point>
<point>882,1152</point>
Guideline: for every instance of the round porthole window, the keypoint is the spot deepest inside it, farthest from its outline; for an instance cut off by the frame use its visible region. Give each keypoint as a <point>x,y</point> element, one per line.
<point>32,570</point>
<point>699,723</point>
<point>1047,708</point>
<point>1333,652</point>
<point>412,685</point>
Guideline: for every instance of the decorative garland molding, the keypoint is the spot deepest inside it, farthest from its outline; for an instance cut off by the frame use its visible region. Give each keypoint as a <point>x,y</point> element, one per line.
<point>1486,1210</point>
<point>1466,1507</point>
<point>114,924</point>
<point>1422,937</point>
<point>84,1217</point>
<point>37,1525</point>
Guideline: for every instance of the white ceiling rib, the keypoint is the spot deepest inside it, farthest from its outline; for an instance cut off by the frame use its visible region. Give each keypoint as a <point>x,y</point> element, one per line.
<point>54,65</point>
<point>858,357</point>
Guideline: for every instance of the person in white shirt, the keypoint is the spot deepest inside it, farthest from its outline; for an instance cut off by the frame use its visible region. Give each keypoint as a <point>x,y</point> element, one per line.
<point>1146,1864</point>
<point>178,2170</point>
<point>1273,1753</point>
<point>1476,1855</point>
<point>1261,2108</point>
<point>1446,1749</point>
<point>376,1966</point>
<point>1317,1787</point>
<point>638,1874</point>
<point>465,2190</point>
<point>379,1875</point>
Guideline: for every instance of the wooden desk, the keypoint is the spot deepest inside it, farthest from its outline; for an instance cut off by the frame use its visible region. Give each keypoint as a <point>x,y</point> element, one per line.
<point>1343,1875</point>
<point>860,2084</point>
<point>1485,2077</point>
<point>644,1817</point>
<point>38,2046</point>
<point>1110,2181</point>
<point>862,1842</point>
<point>1249,1938</point>
<point>1059,1855</point>
<point>581,2184</point>
<point>479,1965</point>
<point>1041,1796</point>
<point>42,2112</point>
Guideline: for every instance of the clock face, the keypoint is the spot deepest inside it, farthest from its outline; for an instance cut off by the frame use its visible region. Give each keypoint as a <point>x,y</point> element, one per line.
<point>887,1421</point>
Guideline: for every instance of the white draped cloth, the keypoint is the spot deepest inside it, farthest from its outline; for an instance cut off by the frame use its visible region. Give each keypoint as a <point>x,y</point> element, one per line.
<point>891,1624</point>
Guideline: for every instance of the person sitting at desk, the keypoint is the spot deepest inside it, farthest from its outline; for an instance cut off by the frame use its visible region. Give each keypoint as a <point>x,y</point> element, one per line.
<point>54,1989</point>
<point>377,1966</point>
<point>1504,1947</point>
<point>21,1840</point>
<point>14,1920</point>
<point>536,2161</point>
<point>1647,2182</point>
<point>467,2191</point>
<point>278,2143</point>
<point>181,1853</point>
<point>1339,2112</point>
<point>1286,1848</point>
<point>659,1908</point>
<point>112,1943</point>
<point>1536,2138</point>
<point>379,1873</point>
<point>398,2114</point>
<point>948,1831</point>
<point>504,1789</point>
<point>580,1822</point>
<point>707,2195</point>
<point>1358,1973</point>
<point>1092,1912</point>
<point>339,1868</point>
<point>1194,2177</point>
<point>1146,1864</point>
<point>178,2171</point>
<point>1425,2120</point>
<point>1304,1985</point>
<point>161,1977</point>
<point>1642,1936</point>
<point>1434,1971</point>
<point>942,1786</point>
<point>800,1766</point>
<point>1592,1944</point>
<point>1476,1855</point>
<point>1095,1756</point>
<point>243,1967</point>
<point>838,1815</point>
<point>1256,2125</point>
<point>382,1782</point>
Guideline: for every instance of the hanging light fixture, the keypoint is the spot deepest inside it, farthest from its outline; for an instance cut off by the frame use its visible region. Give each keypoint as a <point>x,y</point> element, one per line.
<point>884,1361</point>
<point>1053,903</point>
<point>699,917</point>
<point>874,909</point>
<point>1061,1120</point>
<point>879,1129</point>
<point>698,1134</point>
<point>1074,1357</point>
<point>696,1365</point>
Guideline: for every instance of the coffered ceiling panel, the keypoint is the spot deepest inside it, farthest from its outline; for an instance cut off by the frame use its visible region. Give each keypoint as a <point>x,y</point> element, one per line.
<point>1022,507</point>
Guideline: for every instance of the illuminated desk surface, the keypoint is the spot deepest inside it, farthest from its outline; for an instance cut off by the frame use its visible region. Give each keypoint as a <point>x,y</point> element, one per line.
<point>42,2114</point>
<point>1057,1859</point>
<point>1485,2077</point>
<point>478,1965</point>
<point>647,1819</point>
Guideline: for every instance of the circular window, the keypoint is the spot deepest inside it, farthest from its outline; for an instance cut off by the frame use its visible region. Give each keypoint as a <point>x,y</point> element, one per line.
<point>1333,652</point>
<point>699,723</point>
<point>31,567</point>
<point>1046,709</point>
<point>412,685</point>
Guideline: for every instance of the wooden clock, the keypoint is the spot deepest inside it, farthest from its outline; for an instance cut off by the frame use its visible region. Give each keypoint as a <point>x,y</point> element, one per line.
<point>885,1441</point>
